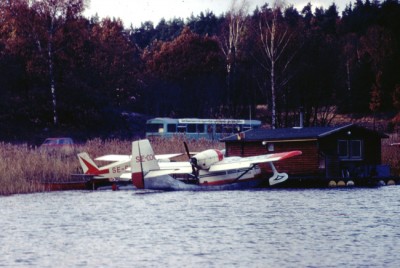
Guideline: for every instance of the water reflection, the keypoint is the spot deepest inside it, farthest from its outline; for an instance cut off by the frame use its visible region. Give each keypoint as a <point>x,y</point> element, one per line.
<point>258,228</point>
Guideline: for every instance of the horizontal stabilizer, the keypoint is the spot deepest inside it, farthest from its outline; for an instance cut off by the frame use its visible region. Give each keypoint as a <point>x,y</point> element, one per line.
<point>113,158</point>
<point>121,157</point>
<point>167,156</point>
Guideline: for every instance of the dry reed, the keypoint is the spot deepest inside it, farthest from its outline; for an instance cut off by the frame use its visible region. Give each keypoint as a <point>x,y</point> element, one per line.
<point>23,168</point>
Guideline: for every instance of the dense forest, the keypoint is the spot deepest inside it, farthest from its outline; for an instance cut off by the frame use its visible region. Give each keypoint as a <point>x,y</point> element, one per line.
<point>63,73</point>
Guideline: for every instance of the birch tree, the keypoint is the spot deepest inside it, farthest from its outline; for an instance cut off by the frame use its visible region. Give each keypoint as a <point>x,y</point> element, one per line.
<point>230,40</point>
<point>54,14</point>
<point>275,38</point>
<point>40,23</point>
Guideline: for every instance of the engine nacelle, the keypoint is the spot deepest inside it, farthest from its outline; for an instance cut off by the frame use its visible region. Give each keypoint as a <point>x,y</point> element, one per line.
<point>205,159</point>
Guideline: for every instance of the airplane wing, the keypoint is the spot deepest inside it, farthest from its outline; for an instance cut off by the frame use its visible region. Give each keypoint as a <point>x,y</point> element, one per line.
<point>113,158</point>
<point>246,162</point>
<point>166,168</point>
<point>120,157</point>
<point>176,167</point>
<point>161,157</point>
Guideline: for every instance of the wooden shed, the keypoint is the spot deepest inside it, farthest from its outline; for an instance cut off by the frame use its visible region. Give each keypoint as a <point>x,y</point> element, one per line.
<point>348,151</point>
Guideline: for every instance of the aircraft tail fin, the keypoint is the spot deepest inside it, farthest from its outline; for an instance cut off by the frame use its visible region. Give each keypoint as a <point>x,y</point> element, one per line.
<point>143,161</point>
<point>87,164</point>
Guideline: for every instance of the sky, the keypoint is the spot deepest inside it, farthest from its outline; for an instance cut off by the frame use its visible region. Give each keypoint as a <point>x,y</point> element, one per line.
<point>135,12</point>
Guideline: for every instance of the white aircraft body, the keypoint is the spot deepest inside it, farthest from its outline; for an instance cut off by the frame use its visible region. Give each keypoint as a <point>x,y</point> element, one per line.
<point>121,164</point>
<point>206,170</point>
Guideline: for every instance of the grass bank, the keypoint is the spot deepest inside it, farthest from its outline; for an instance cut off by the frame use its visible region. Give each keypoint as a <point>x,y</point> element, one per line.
<point>23,167</point>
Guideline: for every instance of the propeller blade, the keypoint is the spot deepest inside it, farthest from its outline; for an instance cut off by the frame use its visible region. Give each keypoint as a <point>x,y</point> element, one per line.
<point>187,149</point>
<point>194,171</point>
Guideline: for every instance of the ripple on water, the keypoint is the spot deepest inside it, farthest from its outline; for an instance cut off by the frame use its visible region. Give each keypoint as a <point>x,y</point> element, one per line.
<point>260,228</point>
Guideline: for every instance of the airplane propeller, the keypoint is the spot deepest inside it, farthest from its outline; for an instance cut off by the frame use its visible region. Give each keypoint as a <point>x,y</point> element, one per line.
<point>192,160</point>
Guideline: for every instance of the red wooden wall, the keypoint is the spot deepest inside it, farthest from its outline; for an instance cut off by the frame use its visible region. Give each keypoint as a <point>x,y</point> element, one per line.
<point>307,163</point>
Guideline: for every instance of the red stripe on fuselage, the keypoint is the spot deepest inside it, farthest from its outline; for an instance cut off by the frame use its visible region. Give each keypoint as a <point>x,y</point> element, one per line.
<point>220,155</point>
<point>92,170</point>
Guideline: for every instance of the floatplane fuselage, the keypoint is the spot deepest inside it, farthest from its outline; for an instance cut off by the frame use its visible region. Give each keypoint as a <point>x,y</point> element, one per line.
<point>206,169</point>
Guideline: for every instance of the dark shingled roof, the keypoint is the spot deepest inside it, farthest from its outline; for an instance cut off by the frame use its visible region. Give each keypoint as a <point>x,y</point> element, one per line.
<point>292,133</point>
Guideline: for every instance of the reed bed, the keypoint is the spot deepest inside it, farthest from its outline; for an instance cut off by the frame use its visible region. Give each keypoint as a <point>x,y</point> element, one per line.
<point>23,168</point>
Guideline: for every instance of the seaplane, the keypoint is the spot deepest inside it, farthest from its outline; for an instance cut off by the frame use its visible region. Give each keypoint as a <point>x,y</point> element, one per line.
<point>120,164</point>
<point>206,170</point>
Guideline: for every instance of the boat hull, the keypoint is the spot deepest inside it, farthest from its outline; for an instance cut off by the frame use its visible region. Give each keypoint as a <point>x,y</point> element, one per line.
<point>168,183</point>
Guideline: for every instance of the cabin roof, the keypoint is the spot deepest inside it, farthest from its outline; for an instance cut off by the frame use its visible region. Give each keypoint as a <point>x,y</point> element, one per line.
<point>297,133</point>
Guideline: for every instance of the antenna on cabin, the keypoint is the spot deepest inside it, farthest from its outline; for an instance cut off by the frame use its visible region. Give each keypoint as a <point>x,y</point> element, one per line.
<point>251,125</point>
<point>301,117</point>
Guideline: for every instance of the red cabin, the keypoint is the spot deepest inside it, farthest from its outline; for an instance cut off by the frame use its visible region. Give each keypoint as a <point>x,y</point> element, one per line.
<point>348,151</point>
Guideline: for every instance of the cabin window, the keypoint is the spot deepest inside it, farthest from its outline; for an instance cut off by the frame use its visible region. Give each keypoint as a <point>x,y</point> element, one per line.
<point>356,149</point>
<point>270,147</point>
<point>200,128</point>
<point>216,174</point>
<point>171,128</point>
<point>191,128</point>
<point>181,128</point>
<point>350,149</point>
<point>155,128</point>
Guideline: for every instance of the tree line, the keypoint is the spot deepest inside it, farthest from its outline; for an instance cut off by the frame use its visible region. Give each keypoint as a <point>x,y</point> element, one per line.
<point>63,73</point>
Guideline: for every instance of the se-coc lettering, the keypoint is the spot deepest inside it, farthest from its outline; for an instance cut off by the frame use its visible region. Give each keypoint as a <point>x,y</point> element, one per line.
<point>145,158</point>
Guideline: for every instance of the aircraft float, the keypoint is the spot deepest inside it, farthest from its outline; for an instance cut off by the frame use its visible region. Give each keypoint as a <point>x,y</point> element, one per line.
<point>206,170</point>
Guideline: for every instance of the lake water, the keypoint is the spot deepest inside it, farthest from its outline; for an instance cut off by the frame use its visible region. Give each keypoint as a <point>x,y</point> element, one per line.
<point>356,227</point>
